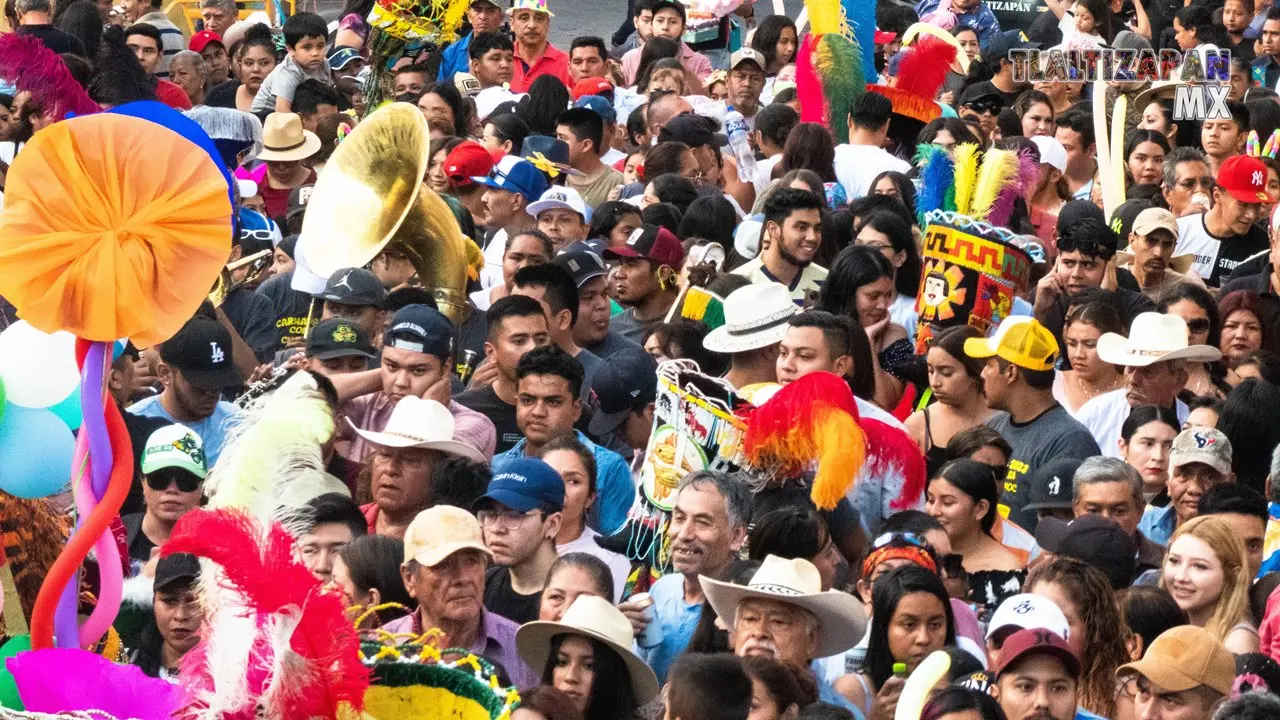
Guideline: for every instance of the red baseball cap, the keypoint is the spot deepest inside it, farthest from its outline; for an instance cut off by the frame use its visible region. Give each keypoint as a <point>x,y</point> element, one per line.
<point>470,159</point>
<point>1245,177</point>
<point>653,243</point>
<point>1037,641</point>
<point>884,37</point>
<point>201,40</point>
<point>591,86</point>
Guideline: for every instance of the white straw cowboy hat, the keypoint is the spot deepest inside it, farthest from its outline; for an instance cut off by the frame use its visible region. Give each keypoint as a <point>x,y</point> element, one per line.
<point>284,139</point>
<point>595,618</point>
<point>419,423</point>
<point>1153,338</point>
<point>796,582</point>
<point>755,316</point>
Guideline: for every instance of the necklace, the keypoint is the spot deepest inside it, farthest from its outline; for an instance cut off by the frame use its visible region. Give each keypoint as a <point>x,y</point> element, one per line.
<point>1089,392</point>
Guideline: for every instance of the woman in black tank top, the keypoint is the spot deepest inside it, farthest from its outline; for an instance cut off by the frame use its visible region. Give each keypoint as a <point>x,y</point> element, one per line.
<point>955,389</point>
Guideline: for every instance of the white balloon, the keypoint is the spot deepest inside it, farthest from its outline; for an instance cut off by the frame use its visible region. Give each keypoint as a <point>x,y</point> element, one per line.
<point>38,369</point>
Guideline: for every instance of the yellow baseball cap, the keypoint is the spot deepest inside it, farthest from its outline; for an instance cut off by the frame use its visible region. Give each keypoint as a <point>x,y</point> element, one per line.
<point>440,531</point>
<point>1020,340</point>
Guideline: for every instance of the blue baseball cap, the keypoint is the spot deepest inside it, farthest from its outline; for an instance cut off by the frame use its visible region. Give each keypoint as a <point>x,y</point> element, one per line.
<point>516,175</point>
<point>340,57</point>
<point>599,106</point>
<point>420,328</point>
<point>524,484</point>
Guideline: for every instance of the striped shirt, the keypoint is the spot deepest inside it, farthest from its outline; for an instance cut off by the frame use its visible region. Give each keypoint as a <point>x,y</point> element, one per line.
<point>172,41</point>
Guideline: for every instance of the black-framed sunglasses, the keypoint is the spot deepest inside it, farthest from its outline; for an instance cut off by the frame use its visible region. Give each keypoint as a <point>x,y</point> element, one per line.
<point>1198,325</point>
<point>161,479</point>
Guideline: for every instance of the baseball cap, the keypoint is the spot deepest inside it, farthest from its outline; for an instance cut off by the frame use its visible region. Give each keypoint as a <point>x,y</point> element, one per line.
<point>582,265</point>
<point>440,531</point>
<point>535,5</point>
<point>298,199</point>
<point>201,40</point>
<point>1154,218</point>
<point>466,83</point>
<point>883,37</point>
<point>1095,540</point>
<point>599,106</point>
<point>1051,485</point>
<point>694,131</point>
<point>524,484</point>
<point>490,99</point>
<point>976,92</point>
<point>175,567</point>
<point>1027,610</point>
<point>338,337</point>
<point>354,286</point>
<point>628,378</point>
<point>1245,177</point>
<point>747,54</point>
<point>673,4</point>
<point>1201,445</point>
<point>468,160</point>
<point>202,351</point>
<point>558,196</point>
<point>175,446</point>
<point>1124,215</point>
<point>1020,340</point>
<point>516,175</point>
<point>420,328</point>
<point>1051,152</point>
<point>1186,657</point>
<point>1025,643</point>
<point>1008,40</point>
<point>650,242</point>
<point>341,56</point>
<point>587,87</point>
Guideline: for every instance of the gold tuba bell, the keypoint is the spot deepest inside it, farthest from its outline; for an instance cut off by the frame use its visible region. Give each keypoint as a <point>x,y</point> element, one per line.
<point>222,287</point>
<point>371,194</point>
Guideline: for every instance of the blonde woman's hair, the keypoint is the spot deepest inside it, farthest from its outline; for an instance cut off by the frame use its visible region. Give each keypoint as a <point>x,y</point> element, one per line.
<point>1233,603</point>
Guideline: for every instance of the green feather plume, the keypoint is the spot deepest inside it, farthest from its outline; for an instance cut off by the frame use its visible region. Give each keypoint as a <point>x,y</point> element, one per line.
<point>838,62</point>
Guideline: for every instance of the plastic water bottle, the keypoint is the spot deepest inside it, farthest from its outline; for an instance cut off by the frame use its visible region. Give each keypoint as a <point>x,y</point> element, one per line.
<point>735,127</point>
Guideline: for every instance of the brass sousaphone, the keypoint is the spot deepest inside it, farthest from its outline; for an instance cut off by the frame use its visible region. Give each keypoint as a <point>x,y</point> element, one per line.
<point>371,194</point>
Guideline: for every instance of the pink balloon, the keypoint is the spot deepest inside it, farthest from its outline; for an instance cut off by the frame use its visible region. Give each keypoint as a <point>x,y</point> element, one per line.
<point>110,571</point>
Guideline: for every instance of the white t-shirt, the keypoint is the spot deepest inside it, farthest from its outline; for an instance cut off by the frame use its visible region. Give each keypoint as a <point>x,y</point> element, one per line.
<point>612,157</point>
<point>764,172</point>
<point>1104,414</point>
<point>1215,256</point>
<point>1073,39</point>
<point>858,165</point>
<point>492,273</point>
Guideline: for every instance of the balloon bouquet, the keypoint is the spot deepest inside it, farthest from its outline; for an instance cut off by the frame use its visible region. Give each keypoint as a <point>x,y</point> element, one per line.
<point>114,226</point>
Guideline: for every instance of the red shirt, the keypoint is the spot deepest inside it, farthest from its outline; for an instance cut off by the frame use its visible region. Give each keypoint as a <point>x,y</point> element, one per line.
<point>173,95</point>
<point>553,62</point>
<point>277,199</point>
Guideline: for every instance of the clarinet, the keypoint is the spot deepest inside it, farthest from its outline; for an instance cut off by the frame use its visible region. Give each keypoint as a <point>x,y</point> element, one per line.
<point>264,386</point>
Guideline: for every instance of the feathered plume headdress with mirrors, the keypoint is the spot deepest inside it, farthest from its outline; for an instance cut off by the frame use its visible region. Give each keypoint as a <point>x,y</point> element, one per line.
<point>830,74</point>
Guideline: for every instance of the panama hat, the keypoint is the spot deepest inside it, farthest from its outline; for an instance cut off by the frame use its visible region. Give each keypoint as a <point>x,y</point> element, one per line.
<point>798,583</point>
<point>755,316</point>
<point>1153,338</point>
<point>284,139</point>
<point>419,423</point>
<point>595,618</point>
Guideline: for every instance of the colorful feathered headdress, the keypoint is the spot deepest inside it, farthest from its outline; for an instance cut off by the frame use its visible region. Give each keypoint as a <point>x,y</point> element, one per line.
<point>921,72</point>
<point>31,67</point>
<point>830,74</point>
<point>983,191</point>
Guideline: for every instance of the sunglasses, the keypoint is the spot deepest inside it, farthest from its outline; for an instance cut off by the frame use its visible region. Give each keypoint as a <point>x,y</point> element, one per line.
<point>985,107</point>
<point>161,480</point>
<point>1198,326</point>
<point>900,538</point>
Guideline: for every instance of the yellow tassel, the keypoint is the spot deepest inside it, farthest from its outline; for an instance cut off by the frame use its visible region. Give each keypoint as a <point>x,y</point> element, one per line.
<point>966,161</point>
<point>843,451</point>
<point>695,304</point>
<point>999,168</point>
<point>824,16</point>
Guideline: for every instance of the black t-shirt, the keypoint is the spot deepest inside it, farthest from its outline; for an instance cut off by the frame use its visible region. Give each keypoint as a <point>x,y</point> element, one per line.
<point>54,39</point>
<point>612,343</point>
<point>253,317</point>
<point>503,416</point>
<point>500,598</point>
<point>223,95</point>
<point>290,307</point>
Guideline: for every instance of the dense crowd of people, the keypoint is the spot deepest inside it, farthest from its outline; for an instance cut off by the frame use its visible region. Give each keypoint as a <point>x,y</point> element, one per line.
<point>1100,462</point>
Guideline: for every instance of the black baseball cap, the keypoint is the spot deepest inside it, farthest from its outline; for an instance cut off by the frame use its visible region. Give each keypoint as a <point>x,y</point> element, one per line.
<point>694,131</point>
<point>175,567</point>
<point>1093,539</point>
<point>338,337</point>
<point>420,328</point>
<point>354,286</point>
<point>582,265</point>
<point>201,350</point>
<point>408,295</point>
<point>1051,486</point>
<point>298,199</point>
<point>1003,42</point>
<point>628,378</point>
<point>1122,219</point>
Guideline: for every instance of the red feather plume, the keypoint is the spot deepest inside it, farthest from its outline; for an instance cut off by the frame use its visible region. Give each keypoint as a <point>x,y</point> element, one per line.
<point>34,68</point>
<point>260,567</point>
<point>924,66</point>
<point>813,103</point>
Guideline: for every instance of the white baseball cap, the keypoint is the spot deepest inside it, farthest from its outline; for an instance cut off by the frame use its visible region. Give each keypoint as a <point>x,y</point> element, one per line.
<point>558,196</point>
<point>488,100</point>
<point>1051,152</point>
<point>1028,611</point>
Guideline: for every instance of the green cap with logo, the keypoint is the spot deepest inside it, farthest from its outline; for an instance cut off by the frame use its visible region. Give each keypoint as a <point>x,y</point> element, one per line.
<point>175,446</point>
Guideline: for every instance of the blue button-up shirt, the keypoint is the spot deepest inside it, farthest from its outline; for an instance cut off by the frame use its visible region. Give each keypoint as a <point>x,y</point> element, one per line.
<point>615,490</point>
<point>455,59</point>
<point>1158,523</point>
<point>980,19</point>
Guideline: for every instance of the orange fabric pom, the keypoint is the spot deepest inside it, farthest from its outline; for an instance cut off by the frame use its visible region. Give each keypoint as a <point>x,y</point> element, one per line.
<point>113,227</point>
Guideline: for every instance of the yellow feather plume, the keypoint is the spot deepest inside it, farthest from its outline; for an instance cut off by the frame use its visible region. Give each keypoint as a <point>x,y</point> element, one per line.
<point>824,16</point>
<point>999,168</point>
<point>966,162</point>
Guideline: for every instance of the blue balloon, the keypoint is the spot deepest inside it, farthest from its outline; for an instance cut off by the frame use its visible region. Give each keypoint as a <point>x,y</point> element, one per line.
<point>69,410</point>
<point>37,447</point>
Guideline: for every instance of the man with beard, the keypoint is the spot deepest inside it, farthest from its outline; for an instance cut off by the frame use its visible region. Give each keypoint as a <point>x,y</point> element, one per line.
<point>535,55</point>
<point>1186,669</point>
<point>485,16</point>
<point>793,225</point>
<point>1151,243</point>
<point>1199,460</point>
<point>1038,677</point>
<point>1226,235</point>
<point>647,279</point>
<point>195,367</point>
<point>783,614</point>
<point>708,526</point>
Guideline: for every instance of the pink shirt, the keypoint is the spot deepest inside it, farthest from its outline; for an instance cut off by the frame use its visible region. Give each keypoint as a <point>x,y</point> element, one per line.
<point>695,62</point>
<point>371,413</point>
<point>553,62</point>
